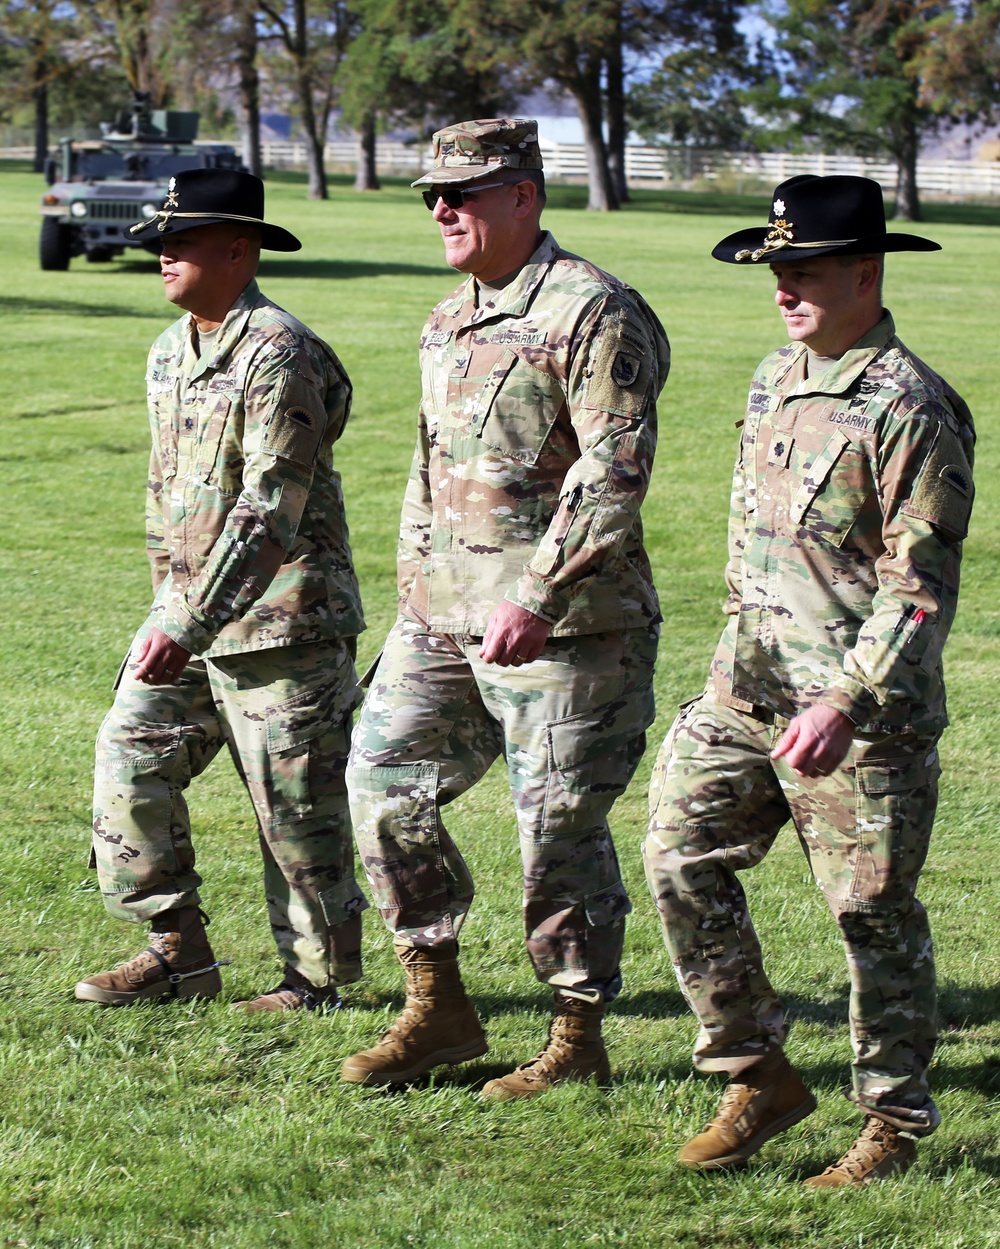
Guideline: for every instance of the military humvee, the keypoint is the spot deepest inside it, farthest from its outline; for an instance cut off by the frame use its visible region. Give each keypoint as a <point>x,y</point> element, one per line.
<point>99,187</point>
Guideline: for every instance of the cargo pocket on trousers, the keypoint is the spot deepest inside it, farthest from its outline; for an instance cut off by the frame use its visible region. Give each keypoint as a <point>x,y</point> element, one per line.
<point>616,728</point>
<point>895,804</point>
<point>308,737</point>
<point>342,902</point>
<point>592,757</point>
<point>607,906</point>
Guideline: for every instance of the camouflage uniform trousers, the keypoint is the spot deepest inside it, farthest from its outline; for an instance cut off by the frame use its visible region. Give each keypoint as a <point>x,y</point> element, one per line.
<point>285,714</point>
<point>572,728</point>
<point>717,802</point>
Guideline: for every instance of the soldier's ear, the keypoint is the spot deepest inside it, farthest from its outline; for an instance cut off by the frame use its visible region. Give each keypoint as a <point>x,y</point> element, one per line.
<point>525,199</point>
<point>239,249</point>
<point>868,272</point>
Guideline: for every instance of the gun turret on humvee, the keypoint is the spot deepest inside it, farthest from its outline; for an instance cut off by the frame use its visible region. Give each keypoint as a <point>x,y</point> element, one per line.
<point>99,187</point>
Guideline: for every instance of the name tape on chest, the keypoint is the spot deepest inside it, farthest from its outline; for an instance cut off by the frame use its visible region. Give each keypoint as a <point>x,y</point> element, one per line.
<point>519,338</point>
<point>852,420</point>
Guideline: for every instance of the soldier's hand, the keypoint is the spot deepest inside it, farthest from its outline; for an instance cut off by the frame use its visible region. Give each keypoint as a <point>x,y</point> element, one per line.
<point>514,636</point>
<point>816,741</point>
<point>161,660</point>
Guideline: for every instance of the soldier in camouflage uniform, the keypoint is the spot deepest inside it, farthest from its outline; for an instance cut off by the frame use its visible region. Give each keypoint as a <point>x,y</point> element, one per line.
<point>528,619</point>
<point>825,702</point>
<point>251,637</point>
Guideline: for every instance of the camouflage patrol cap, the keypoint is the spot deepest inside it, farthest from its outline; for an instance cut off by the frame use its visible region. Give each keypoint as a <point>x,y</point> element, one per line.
<point>473,149</point>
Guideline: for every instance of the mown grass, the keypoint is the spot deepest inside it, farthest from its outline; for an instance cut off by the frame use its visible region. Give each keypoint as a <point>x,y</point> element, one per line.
<point>187,1124</point>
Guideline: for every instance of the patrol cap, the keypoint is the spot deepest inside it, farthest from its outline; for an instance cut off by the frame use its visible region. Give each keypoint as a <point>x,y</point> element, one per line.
<point>840,215</point>
<point>204,197</point>
<point>473,149</point>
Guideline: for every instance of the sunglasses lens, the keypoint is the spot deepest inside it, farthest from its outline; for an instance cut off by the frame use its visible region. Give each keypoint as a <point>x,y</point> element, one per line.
<point>453,197</point>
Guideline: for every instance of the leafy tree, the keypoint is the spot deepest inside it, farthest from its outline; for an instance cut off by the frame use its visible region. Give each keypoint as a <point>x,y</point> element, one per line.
<point>49,68</point>
<point>960,66</point>
<point>141,31</point>
<point>565,42</point>
<point>852,78</point>
<point>584,46</point>
<point>420,64</point>
<point>315,35</point>
<point>696,95</point>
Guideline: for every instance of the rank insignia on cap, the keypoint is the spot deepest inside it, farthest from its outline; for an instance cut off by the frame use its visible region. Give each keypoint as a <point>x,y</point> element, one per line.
<point>171,200</point>
<point>779,207</point>
<point>625,369</point>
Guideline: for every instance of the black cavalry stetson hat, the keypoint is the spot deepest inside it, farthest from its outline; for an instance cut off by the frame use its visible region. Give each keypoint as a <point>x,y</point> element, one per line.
<point>841,215</point>
<point>204,197</point>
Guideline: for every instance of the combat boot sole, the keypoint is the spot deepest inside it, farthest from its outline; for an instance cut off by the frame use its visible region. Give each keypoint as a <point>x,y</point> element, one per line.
<point>760,1138</point>
<point>450,1056</point>
<point>206,984</point>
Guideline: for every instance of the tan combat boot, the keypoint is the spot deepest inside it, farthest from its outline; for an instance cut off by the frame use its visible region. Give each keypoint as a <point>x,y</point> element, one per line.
<point>294,993</point>
<point>574,1051</point>
<point>178,961</point>
<point>438,1023</point>
<point>880,1151</point>
<point>766,1102</point>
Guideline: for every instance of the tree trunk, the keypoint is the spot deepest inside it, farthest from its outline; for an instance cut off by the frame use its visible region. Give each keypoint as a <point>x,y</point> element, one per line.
<point>41,98</point>
<point>615,96</point>
<point>315,142</point>
<point>907,194</point>
<point>317,171</point>
<point>366,178</point>
<point>587,93</point>
<point>249,88</point>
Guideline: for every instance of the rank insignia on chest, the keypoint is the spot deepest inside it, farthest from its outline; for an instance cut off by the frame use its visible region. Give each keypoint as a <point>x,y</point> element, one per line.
<point>625,369</point>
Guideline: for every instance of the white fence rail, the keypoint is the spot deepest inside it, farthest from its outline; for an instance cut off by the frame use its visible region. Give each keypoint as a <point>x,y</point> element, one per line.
<point>653,166</point>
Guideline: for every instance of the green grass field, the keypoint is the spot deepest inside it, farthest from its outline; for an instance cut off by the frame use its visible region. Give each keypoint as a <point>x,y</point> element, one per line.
<point>190,1125</point>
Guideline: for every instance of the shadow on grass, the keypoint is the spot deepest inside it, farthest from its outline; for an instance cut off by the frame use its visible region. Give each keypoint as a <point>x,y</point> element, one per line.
<point>305,268</point>
<point>84,408</point>
<point>24,305</point>
<point>961,1006</point>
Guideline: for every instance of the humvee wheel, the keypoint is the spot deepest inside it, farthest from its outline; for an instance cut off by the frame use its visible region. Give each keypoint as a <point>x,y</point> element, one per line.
<point>55,245</point>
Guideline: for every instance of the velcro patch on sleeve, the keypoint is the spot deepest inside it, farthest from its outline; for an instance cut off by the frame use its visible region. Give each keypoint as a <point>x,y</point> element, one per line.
<point>621,362</point>
<point>944,491</point>
<point>294,433</point>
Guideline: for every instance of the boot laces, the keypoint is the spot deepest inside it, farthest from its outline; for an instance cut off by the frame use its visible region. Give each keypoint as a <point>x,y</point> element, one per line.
<point>414,1012</point>
<point>736,1101</point>
<point>876,1141</point>
<point>558,1049</point>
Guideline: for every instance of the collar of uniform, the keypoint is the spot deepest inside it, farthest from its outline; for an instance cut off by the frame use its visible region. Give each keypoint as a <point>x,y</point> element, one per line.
<point>515,298</point>
<point>231,329</point>
<point>840,376</point>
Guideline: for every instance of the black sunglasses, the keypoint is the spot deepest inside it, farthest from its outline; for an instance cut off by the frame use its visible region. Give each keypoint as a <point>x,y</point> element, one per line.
<point>454,196</point>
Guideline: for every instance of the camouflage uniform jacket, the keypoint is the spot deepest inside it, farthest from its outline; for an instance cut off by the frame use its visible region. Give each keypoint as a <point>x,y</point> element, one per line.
<point>535,443</point>
<point>851,495</point>
<point>245,514</point>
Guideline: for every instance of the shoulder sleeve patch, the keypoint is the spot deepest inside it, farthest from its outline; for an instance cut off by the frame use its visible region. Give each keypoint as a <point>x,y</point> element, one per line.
<point>944,492</point>
<point>621,365</point>
<point>294,433</point>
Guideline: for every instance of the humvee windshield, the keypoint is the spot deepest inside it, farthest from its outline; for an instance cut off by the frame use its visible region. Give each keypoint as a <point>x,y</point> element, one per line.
<point>108,165</point>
